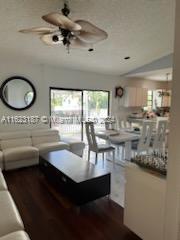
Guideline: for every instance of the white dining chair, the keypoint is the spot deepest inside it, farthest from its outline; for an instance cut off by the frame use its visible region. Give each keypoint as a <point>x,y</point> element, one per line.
<point>124,125</point>
<point>143,145</point>
<point>110,125</point>
<point>120,147</point>
<point>160,136</point>
<point>158,119</point>
<point>94,146</point>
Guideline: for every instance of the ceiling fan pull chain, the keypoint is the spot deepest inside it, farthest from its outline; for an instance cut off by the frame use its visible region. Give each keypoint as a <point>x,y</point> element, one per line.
<point>68,47</point>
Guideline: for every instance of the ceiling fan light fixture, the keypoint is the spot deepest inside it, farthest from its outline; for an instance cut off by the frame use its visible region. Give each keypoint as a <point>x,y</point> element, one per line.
<point>51,39</point>
<point>165,93</point>
<point>72,34</point>
<point>55,38</point>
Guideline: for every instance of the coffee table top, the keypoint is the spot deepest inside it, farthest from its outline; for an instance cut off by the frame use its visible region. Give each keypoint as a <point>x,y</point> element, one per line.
<point>73,166</point>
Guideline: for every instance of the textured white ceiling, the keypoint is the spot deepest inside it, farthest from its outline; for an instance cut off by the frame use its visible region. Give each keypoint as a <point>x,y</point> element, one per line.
<point>142,29</point>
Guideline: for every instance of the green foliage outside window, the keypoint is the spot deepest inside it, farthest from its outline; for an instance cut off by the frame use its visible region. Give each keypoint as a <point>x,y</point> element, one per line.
<point>97,100</point>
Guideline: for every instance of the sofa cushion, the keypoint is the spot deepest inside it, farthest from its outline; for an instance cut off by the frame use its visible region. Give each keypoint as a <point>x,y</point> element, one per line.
<point>53,146</point>
<point>9,165</point>
<point>45,136</point>
<point>13,143</point>
<point>15,139</point>
<point>76,145</point>
<point>15,135</point>
<point>44,132</point>
<point>10,220</point>
<point>20,153</point>
<point>20,235</point>
<point>3,185</point>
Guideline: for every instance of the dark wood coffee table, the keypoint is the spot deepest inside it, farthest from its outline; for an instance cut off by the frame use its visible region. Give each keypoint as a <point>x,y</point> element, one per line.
<point>80,180</point>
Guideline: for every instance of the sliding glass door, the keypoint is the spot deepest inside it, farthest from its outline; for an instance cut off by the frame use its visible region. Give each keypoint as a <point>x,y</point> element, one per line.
<point>70,108</point>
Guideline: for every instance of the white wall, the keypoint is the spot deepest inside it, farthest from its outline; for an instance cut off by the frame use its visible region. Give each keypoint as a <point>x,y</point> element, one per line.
<point>44,77</point>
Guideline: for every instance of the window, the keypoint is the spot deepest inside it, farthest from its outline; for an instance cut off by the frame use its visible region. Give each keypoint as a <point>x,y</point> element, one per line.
<point>70,107</point>
<point>157,99</point>
<point>154,100</point>
<point>150,100</point>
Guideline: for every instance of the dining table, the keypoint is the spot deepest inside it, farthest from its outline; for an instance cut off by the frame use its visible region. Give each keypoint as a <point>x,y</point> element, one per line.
<point>118,138</point>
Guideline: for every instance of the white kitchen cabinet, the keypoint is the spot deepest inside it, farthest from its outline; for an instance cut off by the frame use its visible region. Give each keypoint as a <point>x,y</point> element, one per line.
<point>139,97</point>
<point>166,101</point>
<point>144,97</point>
<point>130,97</point>
<point>135,97</point>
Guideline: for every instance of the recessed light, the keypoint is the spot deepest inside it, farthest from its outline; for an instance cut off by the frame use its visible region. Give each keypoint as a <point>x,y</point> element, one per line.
<point>127,58</point>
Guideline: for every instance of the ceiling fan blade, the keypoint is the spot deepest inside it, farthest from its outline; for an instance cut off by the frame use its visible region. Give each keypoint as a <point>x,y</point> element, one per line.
<point>61,21</point>
<point>39,30</point>
<point>48,39</point>
<point>77,43</point>
<point>90,33</point>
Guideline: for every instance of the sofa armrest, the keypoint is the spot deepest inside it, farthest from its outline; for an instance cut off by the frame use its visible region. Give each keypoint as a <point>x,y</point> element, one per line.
<point>76,147</point>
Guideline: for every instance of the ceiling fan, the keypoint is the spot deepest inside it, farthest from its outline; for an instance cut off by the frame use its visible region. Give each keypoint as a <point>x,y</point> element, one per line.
<point>72,34</point>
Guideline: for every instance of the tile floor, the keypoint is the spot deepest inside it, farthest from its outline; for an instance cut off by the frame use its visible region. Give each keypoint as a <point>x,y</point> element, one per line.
<point>117,177</point>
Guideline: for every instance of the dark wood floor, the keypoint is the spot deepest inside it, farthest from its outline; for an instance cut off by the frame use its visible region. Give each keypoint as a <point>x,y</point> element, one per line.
<point>48,216</point>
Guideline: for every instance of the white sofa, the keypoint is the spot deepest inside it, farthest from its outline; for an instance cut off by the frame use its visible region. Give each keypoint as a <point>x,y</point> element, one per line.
<point>48,140</point>
<point>20,235</point>
<point>9,214</point>
<point>3,186</point>
<point>75,146</point>
<point>11,225</point>
<point>22,149</point>
<point>17,150</point>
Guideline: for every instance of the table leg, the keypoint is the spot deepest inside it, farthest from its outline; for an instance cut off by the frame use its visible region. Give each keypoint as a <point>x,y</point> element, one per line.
<point>108,154</point>
<point>128,151</point>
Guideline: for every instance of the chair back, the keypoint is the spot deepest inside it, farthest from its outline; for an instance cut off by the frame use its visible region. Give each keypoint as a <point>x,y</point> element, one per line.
<point>125,124</point>
<point>91,138</point>
<point>122,124</point>
<point>144,142</point>
<point>110,125</point>
<point>159,141</point>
